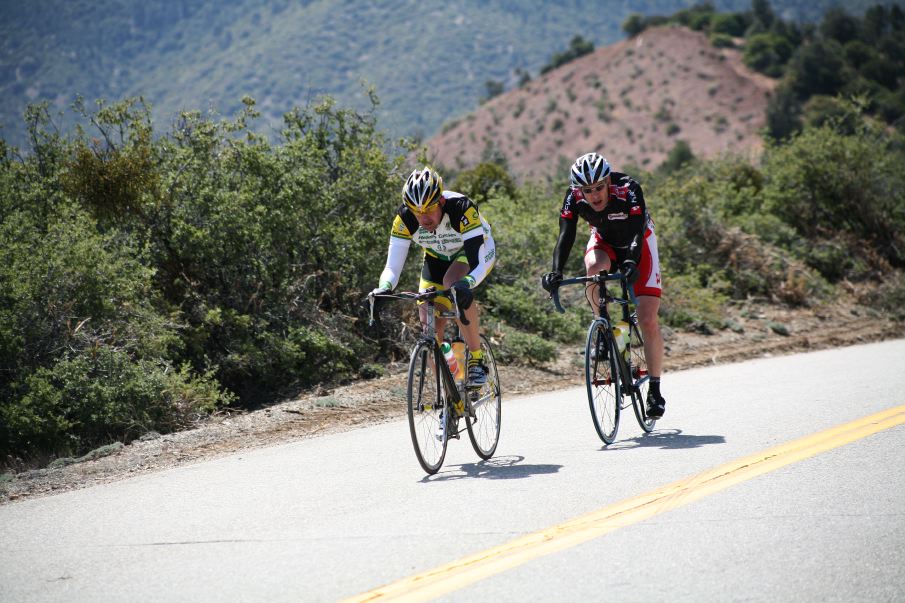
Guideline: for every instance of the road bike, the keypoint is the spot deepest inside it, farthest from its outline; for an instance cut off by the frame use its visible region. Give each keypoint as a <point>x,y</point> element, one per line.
<point>437,401</point>
<point>615,368</point>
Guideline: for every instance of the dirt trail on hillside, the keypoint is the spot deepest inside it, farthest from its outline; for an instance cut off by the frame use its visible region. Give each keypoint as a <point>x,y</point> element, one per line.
<point>758,333</point>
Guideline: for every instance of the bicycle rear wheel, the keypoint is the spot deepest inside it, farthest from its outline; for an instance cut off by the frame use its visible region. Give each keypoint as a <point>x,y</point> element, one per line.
<point>486,405</point>
<point>602,380</point>
<point>427,420</point>
<point>640,380</point>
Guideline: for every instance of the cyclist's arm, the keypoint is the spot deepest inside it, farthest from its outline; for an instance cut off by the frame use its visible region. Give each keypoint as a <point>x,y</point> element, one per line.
<point>567,230</point>
<point>400,241</point>
<point>479,264</point>
<point>637,223</point>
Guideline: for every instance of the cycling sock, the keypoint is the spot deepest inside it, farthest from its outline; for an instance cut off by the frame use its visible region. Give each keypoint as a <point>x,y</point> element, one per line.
<point>475,357</point>
<point>655,385</point>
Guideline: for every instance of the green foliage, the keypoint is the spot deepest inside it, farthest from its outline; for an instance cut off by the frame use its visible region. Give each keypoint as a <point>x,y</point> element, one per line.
<point>831,111</point>
<point>699,226</point>
<point>634,25</point>
<point>210,249</point>
<point>679,156</point>
<point>517,347</point>
<point>483,181</point>
<point>767,53</point>
<point>817,68</point>
<point>100,395</point>
<point>686,302</point>
<point>494,88</point>
<point>528,309</point>
<point>729,24</point>
<point>826,180</point>
<point>578,47</point>
<point>783,113</point>
<point>720,40</point>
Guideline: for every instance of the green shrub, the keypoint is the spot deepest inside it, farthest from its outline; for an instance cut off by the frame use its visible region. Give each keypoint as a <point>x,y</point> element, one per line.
<point>825,181</point>
<point>685,302</point>
<point>98,396</point>
<point>517,347</point>
<point>767,53</point>
<point>530,310</point>
<point>719,40</point>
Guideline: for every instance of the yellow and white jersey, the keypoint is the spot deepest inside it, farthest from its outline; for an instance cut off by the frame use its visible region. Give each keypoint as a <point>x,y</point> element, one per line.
<point>461,222</point>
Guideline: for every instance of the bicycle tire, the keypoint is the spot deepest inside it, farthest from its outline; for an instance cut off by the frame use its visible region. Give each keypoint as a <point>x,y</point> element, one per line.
<point>602,380</point>
<point>487,407</point>
<point>426,404</point>
<point>639,379</point>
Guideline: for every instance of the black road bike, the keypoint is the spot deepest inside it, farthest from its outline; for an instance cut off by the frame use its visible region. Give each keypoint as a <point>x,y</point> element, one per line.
<point>437,401</point>
<point>615,369</point>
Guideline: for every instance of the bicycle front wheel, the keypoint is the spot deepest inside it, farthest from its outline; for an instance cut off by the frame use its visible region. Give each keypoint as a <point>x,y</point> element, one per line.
<point>640,380</point>
<point>486,406</point>
<point>427,420</point>
<point>602,380</point>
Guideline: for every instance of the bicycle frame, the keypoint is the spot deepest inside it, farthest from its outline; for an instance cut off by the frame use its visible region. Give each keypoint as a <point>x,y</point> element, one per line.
<point>628,381</point>
<point>452,400</point>
<point>604,299</point>
<point>455,399</point>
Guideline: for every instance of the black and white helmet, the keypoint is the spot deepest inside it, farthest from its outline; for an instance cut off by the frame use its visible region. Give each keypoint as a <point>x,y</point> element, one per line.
<point>588,169</point>
<point>422,190</point>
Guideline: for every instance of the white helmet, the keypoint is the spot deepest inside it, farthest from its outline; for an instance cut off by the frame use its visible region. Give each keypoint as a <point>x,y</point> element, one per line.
<point>588,169</point>
<point>422,190</point>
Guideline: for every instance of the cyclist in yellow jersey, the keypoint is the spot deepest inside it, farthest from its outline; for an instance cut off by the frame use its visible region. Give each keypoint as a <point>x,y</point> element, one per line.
<point>459,253</point>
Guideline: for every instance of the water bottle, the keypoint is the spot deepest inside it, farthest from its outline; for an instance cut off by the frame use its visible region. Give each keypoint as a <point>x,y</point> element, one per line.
<point>621,335</point>
<point>458,348</point>
<point>450,357</point>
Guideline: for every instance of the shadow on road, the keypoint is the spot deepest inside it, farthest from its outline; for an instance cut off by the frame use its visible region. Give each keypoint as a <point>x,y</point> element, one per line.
<point>502,467</point>
<point>666,438</point>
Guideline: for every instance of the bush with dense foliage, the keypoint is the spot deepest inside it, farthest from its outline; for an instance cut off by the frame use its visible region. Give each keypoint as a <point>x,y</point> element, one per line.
<point>147,279</point>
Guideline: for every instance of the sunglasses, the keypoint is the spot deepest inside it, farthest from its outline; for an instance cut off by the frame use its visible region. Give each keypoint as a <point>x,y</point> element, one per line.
<point>587,190</point>
<point>424,211</point>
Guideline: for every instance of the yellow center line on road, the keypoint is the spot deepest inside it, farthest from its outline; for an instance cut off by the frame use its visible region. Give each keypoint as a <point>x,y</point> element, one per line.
<point>473,568</point>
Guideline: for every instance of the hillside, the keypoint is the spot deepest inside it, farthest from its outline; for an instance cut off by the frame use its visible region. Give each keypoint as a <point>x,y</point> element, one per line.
<point>631,101</point>
<point>428,63</point>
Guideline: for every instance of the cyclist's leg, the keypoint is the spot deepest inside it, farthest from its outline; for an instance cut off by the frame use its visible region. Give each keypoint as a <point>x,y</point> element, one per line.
<point>647,289</point>
<point>648,308</point>
<point>457,270</point>
<point>432,272</point>
<point>477,368</point>
<point>598,256</point>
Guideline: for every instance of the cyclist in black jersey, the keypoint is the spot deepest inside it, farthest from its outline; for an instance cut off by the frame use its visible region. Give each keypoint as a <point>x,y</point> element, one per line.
<point>459,253</point>
<point>622,233</point>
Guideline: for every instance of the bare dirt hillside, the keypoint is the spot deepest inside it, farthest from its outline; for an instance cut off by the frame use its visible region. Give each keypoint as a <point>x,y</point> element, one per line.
<point>630,101</point>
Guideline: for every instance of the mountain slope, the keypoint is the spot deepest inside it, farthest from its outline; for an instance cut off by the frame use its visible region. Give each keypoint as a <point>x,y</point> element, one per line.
<point>630,101</point>
<point>428,61</point>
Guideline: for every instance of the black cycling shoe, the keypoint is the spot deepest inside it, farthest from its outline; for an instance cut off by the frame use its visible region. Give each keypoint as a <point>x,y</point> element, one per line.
<point>656,405</point>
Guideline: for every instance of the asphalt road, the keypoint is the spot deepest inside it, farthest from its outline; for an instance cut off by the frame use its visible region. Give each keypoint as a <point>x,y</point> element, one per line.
<point>337,516</point>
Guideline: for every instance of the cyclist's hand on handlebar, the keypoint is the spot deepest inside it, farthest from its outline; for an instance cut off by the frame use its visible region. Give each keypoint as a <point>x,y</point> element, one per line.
<point>464,294</point>
<point>550,281</point>
<point>379,291</point>
<point>630,270</point>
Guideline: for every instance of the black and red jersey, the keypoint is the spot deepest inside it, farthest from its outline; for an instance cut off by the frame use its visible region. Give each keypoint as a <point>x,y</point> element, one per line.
<point>622,223</point>
<point>622,219</point>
